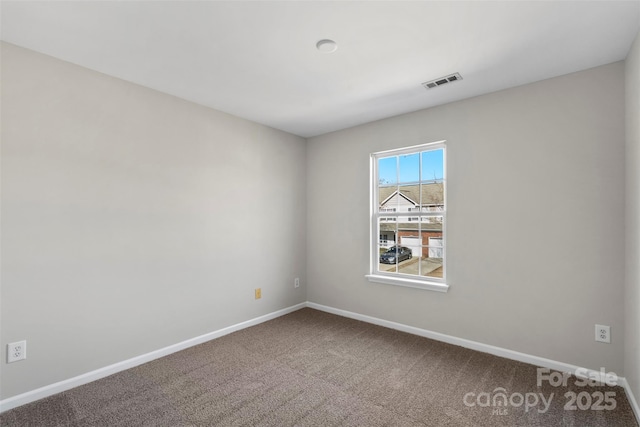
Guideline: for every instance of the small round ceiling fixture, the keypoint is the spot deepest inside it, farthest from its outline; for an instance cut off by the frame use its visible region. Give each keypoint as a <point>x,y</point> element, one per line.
<point>327,46</point>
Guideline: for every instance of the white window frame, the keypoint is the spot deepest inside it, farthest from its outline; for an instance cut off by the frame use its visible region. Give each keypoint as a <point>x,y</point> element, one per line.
<point>393,278</point>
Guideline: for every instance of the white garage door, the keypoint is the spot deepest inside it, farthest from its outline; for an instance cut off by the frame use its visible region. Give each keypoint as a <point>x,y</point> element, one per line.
<point>413,243</point>
<point>435,247</point>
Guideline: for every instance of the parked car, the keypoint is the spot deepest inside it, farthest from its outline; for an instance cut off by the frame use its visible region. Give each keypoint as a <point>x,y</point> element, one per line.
<point>396,254</point>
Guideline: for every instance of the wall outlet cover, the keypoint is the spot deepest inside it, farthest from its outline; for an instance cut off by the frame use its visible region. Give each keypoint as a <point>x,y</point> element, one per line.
<point>603,333</point>
<point>16,351</point>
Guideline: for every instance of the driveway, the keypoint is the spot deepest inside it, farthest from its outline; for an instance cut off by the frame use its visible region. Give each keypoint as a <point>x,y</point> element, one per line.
<point>429,267</point>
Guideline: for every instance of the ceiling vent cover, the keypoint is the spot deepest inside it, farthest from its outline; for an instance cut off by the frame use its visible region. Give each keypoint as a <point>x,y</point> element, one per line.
<point>442,81</point>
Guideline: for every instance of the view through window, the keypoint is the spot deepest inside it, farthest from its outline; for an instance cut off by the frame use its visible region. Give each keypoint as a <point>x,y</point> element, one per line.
<point>409,212</point>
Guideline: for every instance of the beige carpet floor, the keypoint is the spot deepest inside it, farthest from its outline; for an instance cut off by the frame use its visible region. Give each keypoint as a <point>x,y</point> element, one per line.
<point>310,368</point>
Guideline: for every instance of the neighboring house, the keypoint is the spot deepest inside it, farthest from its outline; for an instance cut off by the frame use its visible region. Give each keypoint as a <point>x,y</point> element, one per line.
<point>422,234</point>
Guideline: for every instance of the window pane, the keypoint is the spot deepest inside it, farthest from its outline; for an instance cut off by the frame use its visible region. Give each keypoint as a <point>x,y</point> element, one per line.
<point>429,266</point>
<point>409,266</point>
<point>398,259</point>
<point>387,230</point>
<point>408,200</point>
<point>387,197</point>
<point>409,168</point>
<point>432,196</point>
<point>431,226</point>
<point>431,263</point>
<point>432,165</point>
<point>409,237</point>
<point>388,170</point>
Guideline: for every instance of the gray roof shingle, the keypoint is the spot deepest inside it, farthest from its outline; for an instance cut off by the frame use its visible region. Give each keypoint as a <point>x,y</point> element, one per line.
<point>432,193</point>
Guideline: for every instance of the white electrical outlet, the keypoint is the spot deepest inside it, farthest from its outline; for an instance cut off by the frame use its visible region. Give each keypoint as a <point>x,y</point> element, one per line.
<point>296,282</point>
<point>16,351</point>
<point>603,333</point>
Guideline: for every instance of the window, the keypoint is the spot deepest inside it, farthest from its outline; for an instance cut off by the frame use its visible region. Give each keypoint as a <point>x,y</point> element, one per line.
<point>409,210</point>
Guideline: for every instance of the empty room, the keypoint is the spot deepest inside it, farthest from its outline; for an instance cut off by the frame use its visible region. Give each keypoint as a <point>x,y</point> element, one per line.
<point>320,213</point>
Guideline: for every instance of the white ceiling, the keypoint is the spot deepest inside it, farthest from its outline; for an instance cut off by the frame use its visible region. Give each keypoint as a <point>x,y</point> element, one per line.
<point>258,60</point>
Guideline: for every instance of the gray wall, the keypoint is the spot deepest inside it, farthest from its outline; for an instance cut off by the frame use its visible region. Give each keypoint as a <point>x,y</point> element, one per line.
<point>535,218</point>
<point>632,295</point>
<point>133,220</point>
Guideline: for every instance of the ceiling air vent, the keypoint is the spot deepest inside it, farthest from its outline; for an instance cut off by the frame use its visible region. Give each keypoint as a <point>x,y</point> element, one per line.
<point>442,81</point>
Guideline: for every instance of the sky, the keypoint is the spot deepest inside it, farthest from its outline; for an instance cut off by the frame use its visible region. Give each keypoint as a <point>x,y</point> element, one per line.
<point>409,167</point>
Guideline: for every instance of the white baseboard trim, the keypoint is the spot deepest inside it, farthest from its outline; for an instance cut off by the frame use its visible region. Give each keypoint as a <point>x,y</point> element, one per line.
<point>486,348</point>
<point>49,390</point>
<point>631,398</point>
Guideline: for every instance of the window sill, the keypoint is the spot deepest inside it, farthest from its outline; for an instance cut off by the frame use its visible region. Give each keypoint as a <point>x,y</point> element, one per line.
<point>419,284</point>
